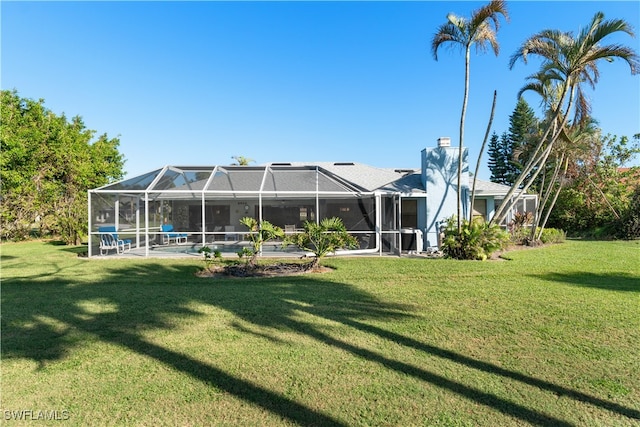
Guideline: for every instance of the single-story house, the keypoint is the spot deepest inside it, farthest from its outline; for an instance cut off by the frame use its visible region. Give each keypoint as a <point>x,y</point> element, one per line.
<point>387,210</point>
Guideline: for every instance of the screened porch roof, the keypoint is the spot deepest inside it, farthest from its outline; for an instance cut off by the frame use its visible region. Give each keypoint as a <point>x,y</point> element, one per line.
<point>236,181</point>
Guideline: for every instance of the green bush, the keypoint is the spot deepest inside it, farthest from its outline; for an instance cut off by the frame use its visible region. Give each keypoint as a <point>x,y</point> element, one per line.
<point>520,227</point>
<point>476,240</point>
<point>630,222</point>
<point>553,235</point>
<point>247,254</point>
<point>209,256</point>
<point>323,238</point>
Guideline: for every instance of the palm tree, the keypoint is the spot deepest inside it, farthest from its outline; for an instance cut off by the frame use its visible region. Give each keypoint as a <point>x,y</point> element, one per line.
<point>570,146</point>
<point>476,30</point>
<point>322,238</point>
<point>568,62</point>
<point>484,143</point>
<point>241,161</point>
<point>260,233</point>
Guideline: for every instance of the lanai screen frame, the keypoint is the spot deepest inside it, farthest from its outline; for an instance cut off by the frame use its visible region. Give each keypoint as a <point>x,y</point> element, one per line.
<point>148,189</point>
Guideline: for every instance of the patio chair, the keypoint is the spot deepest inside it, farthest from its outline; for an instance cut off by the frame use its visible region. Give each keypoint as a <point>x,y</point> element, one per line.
<point>109,241</point>
<point>289,228</point>
<point>168,235</point>
<point>217,233</point>
<point>228,235</point>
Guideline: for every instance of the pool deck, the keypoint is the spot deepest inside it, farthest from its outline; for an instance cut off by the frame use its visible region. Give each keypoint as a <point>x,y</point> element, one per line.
<point>230,250</point>
<point>190,250</point>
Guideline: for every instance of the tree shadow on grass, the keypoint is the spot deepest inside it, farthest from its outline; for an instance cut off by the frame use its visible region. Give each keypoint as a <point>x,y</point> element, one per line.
<point>41,317</point>
<point>80,250</point>
<point>612,282</point>
<point>490,368</point>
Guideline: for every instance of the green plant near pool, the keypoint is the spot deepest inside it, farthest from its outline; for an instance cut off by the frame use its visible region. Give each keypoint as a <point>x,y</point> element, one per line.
<point>210,256</point>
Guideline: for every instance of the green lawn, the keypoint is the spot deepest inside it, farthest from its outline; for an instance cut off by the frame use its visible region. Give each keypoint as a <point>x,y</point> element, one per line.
<point>550,337</point>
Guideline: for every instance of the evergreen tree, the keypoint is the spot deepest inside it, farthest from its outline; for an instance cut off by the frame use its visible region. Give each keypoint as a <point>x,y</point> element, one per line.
<point>509,152</point>
<point>497,159</point>
<point>522,125</point>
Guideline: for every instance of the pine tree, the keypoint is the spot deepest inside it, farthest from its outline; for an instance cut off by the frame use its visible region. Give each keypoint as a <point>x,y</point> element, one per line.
<point>522,124</point>
<point>496,159</point>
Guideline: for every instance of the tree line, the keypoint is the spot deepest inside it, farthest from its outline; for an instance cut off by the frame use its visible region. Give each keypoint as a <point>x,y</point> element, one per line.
<point>47,165</point>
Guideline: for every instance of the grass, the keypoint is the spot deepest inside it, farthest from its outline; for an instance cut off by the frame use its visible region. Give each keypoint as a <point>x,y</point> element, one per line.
<point>550,337</point>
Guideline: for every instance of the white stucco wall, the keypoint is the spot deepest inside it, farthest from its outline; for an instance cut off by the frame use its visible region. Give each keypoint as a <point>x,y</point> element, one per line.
<point>440,179</point>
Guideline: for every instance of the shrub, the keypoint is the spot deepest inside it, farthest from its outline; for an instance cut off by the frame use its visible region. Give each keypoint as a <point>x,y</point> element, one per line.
<point>520,227</point>
<point>248,254</point>
<point>630,222</point>
<point>321,239</point>
<point>552,235</point>
<point>476,240</point>
<point>210,257</point>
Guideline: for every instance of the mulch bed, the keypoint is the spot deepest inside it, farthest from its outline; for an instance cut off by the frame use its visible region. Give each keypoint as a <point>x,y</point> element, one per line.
<point>262,270</point>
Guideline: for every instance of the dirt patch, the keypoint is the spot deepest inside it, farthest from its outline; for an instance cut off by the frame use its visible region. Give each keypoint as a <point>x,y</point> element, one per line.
<point>266,270</point>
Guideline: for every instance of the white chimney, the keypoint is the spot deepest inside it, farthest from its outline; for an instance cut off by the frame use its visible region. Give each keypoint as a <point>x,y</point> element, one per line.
<point>444,141</point>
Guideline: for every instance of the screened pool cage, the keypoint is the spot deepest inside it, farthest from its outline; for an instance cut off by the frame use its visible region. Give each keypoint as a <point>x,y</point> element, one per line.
<point>204,206</point>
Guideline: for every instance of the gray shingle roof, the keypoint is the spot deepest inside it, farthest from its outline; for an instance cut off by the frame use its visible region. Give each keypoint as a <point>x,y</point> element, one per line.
<point>367,177</point>
<point>409,183</point>
<point>487,188</point>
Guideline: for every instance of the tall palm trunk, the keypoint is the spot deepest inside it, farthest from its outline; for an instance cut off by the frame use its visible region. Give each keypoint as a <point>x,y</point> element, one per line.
<point>467,59</point>
<point>547,192</point>
<point>548,212</point>
<point>484,143</point>
<point>534,161</point>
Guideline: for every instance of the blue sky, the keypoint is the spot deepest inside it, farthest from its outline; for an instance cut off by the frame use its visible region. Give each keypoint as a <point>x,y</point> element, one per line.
<point>199,82</point>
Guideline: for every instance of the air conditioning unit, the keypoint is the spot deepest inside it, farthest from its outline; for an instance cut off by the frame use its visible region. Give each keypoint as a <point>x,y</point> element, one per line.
<point>411,240</point>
